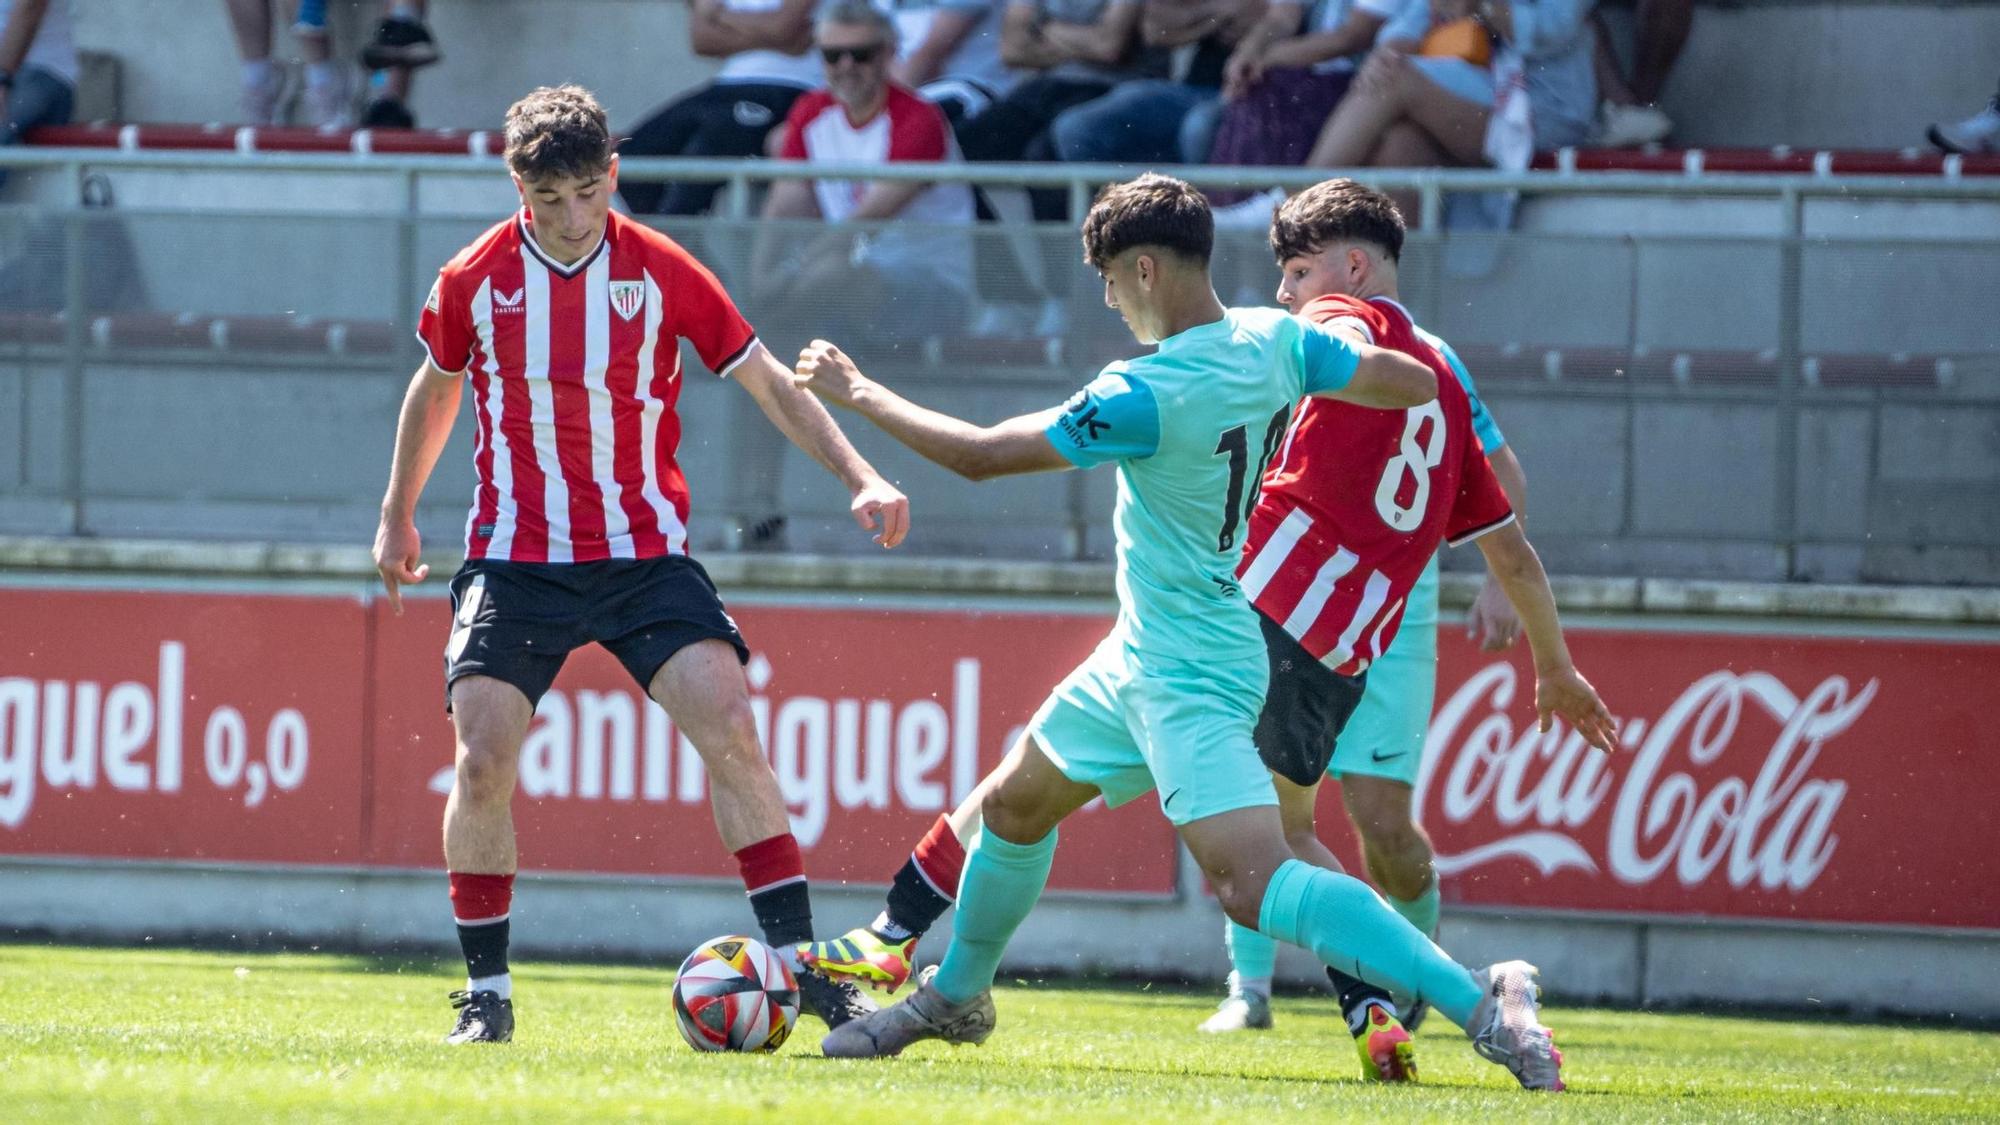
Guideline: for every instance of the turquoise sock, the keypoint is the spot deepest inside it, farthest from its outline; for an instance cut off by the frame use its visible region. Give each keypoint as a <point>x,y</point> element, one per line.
<point>1252,955</point>
<point>1421,911</point>
<point>1348,926</point>
<point>1001,882</point>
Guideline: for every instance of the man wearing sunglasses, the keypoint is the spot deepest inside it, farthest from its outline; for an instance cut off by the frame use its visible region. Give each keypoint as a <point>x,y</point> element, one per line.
<point>896,282</point>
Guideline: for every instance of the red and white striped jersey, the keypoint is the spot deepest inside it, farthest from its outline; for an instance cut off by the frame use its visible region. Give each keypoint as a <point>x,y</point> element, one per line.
<point>575,372</point>
<point>1359,499</point>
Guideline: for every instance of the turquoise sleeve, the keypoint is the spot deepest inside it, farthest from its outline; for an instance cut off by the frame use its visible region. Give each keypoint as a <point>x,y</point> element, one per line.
<point>1482,419</point>
<point>1114,418</point>
<point>1330,360</point>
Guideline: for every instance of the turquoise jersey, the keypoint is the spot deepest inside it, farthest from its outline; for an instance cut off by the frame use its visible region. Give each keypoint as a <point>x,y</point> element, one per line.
<point>1421,610</point>
<point>1191,428</point>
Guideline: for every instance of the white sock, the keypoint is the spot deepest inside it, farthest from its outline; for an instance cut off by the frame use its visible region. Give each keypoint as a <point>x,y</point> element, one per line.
<point>406,12</point>
<point>1240,984</point>
<point>502,984</point>
<point>887,929</point>
<point>321,75</point>
<point>256,72</point>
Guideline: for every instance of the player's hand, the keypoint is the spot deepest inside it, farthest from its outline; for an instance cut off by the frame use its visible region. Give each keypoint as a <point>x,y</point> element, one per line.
<point>1566,695</point>
<point>1493,621</point>
<point>827,371</point>
<point>399,553</point>
<point>880,502</point>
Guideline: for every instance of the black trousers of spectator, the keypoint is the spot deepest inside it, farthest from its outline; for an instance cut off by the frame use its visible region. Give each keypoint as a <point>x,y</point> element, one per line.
<point>718,119</point>
<point>1017,128</point>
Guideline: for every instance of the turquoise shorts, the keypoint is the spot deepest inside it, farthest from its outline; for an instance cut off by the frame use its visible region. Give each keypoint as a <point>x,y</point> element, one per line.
<point>1126,722</point>
<point>1385,736</point>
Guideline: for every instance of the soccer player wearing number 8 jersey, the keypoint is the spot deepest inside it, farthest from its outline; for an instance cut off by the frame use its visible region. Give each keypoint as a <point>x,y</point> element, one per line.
<point>1170,699</point>
<point>1340,548</point>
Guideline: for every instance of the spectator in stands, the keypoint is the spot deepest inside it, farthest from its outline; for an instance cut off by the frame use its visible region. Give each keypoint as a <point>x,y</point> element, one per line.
<point>1073,51</point>
<point>912,283</point>
<point>1284,79</point>
<point>1631,112</point>
<point>765,50</point>
<point>38,65</point>
<point>402,45</point>
<point>1424,98</point>
<point>1975,134</point>
<point>1162,120</point>
<point>325,101</point>
<point>951,54</point>
<point>890,285</point>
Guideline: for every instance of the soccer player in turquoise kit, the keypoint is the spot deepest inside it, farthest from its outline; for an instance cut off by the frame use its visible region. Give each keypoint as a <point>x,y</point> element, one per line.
<point>1169,700</point>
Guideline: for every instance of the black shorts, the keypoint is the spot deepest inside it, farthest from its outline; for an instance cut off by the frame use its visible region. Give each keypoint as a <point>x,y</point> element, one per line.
<point>518,622</point>
<point>1305,708</point>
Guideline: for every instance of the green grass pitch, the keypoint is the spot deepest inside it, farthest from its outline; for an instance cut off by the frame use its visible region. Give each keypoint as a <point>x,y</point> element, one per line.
<point>164,1035</point>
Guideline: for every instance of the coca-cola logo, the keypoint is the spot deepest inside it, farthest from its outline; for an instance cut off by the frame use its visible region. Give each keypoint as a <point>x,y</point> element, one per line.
<point>1722,782</point>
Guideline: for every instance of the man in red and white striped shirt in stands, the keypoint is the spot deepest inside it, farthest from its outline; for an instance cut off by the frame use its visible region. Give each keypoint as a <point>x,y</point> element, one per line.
<point>565,320</point>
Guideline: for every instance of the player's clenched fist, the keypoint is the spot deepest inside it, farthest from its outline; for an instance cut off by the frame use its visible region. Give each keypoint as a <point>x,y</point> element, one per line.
<point>826,371</point>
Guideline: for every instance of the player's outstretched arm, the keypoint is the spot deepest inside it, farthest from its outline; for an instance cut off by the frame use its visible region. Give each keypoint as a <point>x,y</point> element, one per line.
<point>430,406</point>
<point>1018,445</point>
<point>1560,690</point>
<point>1493,621</point>
<point>873,500</point>
<point>1386,380</point>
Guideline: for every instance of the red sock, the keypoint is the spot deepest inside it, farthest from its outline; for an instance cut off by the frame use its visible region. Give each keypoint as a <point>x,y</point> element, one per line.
<point>480,904</point>
<point>477,899</point>
<point>774,876</point>
<point>927,883</point>
<point>941,858</point>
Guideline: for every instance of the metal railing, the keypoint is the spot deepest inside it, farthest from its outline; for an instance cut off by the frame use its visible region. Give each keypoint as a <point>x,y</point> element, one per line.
<point>418,208</point>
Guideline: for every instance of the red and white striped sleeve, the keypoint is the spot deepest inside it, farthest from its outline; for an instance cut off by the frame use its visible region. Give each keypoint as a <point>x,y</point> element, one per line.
<point>1481,504</point>
<point>703,313</point>
<point>445,325</point>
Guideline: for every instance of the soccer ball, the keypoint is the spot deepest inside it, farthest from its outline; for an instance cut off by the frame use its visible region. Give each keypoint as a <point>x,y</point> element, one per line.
<point>734,994</point>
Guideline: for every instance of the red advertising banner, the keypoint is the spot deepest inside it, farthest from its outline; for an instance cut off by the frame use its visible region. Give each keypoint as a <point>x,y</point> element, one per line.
<point>876,721</point>
<point>1821,778</point>
<point>142,725</point>
<point>281,729</point>
<point>1835,779</point>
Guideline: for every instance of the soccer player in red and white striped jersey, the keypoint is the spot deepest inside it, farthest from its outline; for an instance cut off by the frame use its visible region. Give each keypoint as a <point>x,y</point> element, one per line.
<point>565,320</point>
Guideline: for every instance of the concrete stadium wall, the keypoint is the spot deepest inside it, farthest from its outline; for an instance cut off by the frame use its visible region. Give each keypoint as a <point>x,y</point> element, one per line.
<point>1644,960</point>
<point>1828,73</point>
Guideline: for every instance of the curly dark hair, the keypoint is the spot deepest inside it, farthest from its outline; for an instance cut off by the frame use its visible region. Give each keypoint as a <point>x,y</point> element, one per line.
<point>1336,211</point>
<point>558,131</point>
<point>1153,210</point>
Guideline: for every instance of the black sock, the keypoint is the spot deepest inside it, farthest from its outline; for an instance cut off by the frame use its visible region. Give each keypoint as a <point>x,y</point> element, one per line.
<point>485,948</point>
<point>784,913</point>
<point>914,904</point>
<point>1354,993</point>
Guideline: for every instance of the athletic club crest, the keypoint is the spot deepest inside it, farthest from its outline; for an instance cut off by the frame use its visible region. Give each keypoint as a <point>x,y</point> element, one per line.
<point>628,297</point>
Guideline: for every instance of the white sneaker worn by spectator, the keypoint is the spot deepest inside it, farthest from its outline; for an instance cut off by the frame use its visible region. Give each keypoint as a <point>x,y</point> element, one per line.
<point>1629,126</point>
<point>328,101</point>
<point>263,91</point>
<point>1975,134</point>
<point>1252,214</point>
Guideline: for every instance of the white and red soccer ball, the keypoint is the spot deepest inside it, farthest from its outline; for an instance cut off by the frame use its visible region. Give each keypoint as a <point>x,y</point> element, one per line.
<point>734,994</point>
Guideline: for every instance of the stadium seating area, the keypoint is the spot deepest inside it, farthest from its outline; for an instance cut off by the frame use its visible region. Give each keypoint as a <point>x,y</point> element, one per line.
<point>1701,306</point>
